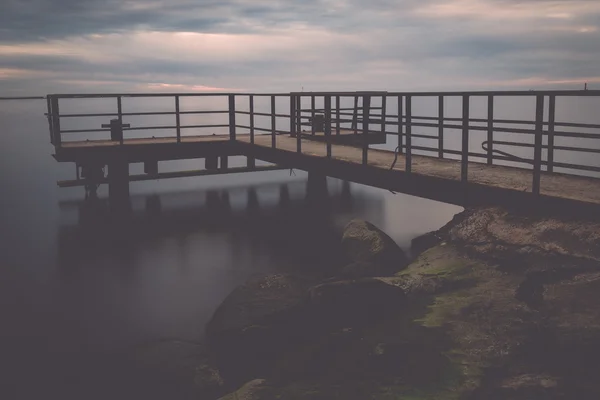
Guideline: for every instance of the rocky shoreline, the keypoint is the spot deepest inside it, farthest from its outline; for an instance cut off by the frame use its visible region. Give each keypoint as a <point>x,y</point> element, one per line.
<point>494,305</point>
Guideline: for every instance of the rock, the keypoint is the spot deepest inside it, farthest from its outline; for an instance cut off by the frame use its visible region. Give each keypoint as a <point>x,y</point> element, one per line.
<point>179,365</point>
<point>364,242</point>
<point>253,390</point>
<point>255,323</point>
<point>424,242</point>
<point>361,269</point>
<point>355,301</point>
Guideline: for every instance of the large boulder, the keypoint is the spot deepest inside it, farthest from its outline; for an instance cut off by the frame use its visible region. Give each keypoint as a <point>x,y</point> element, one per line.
<point>256,389</point>
<point>363,242</point>
<point>355,302</point>
<point>168,365</point>
<point>255,324</point>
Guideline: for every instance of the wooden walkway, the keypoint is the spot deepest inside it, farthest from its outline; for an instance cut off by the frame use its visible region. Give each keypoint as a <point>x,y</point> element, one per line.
<point>557,185</point>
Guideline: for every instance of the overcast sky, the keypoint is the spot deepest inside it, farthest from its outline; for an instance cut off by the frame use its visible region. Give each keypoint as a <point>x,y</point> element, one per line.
<point>58,46</point>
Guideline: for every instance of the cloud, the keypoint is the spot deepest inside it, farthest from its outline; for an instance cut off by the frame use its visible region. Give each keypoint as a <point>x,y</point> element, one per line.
<point>262,45</point>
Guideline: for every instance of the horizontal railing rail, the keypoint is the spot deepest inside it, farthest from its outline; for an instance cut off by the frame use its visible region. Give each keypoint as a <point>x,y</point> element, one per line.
<point>415,133</point>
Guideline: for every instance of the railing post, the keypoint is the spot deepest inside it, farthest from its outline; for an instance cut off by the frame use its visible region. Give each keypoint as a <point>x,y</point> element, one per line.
<point>464,173</point>
<point>49,116</point>
<point>177,121</point>
<point>231,117</point>
<point>355,115</point>
<point>312,114</point>
<point>366,114</point>
<point>551,120</point>
<point>273,123</point>
<point>383,114</point>
<point>441,127</point>
<point>337,117</point>
<point>328,124</point>
<point>56,121</point>
<point>400,124</point>
<point>298,104</point>
<point>251,100</point>
<point>537,151</point>
<point>292,116</point>
<point>408,166</point>
<point>490,133</point>
<point>120,115</point>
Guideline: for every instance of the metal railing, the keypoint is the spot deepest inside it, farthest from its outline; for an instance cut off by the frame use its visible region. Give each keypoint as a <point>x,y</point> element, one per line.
<point>359,118</point>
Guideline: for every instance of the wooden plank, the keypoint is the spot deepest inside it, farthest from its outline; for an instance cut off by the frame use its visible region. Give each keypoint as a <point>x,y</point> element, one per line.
<point>537,151</point>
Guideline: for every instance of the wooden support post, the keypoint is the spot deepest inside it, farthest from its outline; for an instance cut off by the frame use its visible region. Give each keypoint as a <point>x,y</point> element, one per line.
<point>177,119</point>
<point>464,173</point>
<point>151,167</point>
<point>298,104</point>
<point>312,114</point>
<point>537,151</point>
<point>551,121</point>
<point>490,133</point>
<point>273,123</point>
<point>56,122</point>
<point>327,126</point>
<point>441,127</point>
<point>408,134</point>
<point>211,163</point>
<point>366,114</point>
<point>224,162</point>
<point>400,124</point>
<point>337,116</point>
<point>383,115</point>
<point>231,117</point>
<point>116,130</point>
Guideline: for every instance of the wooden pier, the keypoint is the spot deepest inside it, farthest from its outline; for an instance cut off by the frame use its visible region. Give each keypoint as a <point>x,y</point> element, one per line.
<point>336,141</point>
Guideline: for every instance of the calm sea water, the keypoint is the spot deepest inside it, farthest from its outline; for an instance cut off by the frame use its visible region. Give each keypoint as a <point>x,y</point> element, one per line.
<point>77,284</point>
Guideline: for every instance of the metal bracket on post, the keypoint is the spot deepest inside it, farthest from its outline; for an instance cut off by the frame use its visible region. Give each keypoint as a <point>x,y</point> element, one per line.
<point>116,129</point>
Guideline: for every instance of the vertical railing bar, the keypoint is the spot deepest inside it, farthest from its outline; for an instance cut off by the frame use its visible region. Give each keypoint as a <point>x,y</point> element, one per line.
<point>355,116</point>
<point>464,173</point>
<point>312,114</point>
<point>328,124</point>
<point>537,152</point>
<point>441,127</point>
<point>408,134</point>
<point>49,105</point>
<point>56,122</point>
<point>273,123</point>
<point>298,103</point>
<point>383,115</point>
<point>337,117</point>
<point>400,124</point>
<point>366,117</point>
<point>251,105</point>
<point>551,121</point>
<point>490,132</point>
<point>232,117</point>
<point>292,116</point>
<point>177,119</point>
<point>120,116</point>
